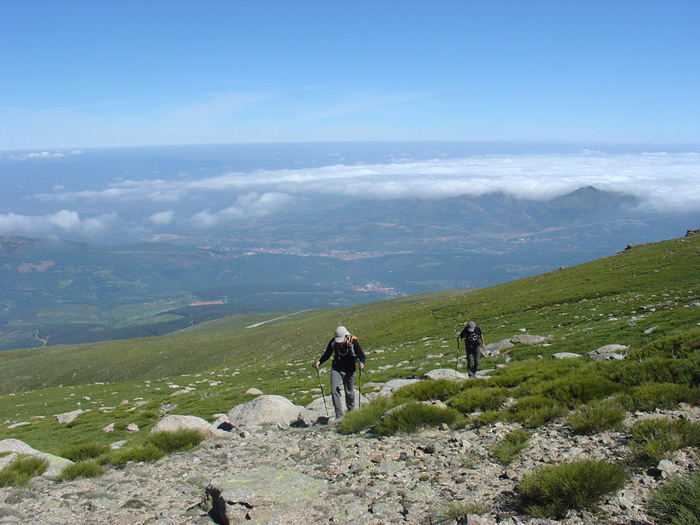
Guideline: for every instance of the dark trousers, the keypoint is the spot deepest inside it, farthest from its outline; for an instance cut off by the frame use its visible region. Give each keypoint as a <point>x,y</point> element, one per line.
<point>342,386</point>
<point>473,355</point>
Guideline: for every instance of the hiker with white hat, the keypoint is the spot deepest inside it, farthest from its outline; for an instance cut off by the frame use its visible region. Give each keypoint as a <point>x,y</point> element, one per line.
<point>346,351</point>
<point>472,336</point>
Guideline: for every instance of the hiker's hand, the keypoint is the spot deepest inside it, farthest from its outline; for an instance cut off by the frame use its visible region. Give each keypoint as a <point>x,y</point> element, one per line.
<point>316,365</point>
<point>459,339</point>
<point>362,366</point>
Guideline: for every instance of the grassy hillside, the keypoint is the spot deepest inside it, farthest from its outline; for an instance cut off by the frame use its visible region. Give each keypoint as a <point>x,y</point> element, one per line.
<point>634,298</point>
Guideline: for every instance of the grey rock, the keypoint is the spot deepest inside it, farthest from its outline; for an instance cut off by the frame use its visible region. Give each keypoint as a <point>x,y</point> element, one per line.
<point>265,409</point>
<point>611,352</point>
<point>565,355</point>
<point>445,373</point>
<point>174,423</point>
<point>67,417</point>
<point>526,339</point>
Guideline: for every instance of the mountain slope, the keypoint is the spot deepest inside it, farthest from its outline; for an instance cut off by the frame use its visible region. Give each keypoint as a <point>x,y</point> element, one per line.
<point>614,299</point>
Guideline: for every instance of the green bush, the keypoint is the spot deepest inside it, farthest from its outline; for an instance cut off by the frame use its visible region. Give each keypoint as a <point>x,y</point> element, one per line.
<point>650,396</point>
<point>554,490</point>
<point>365,417</point>
<point>677,502</point>
<point>175,441</point>
<point>573,391</point>
<point>678,346</point>
<point>457,511</point>
<point>508,449</point>
<point>85,451</point>
<point>437,390</point>
<point>479,399</point>
<point>21,470</point>
<point>535,411</point>
<point>138,454</point>
<point>83,469</point>
<point>655,439</point>
<point>596,416</point>
<point>412,417</point>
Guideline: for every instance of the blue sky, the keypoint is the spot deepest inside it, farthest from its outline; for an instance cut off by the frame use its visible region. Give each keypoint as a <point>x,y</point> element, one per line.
<point>79,74</point>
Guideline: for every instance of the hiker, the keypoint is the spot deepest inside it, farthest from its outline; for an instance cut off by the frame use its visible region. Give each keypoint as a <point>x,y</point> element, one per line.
<point>346,350</point>
<point>472,336</point>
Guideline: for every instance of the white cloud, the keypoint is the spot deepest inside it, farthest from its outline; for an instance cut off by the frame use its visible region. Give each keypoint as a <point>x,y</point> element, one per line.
<point>62,222</point>
<point>162,218</point>
<point>42,155</point>
<point>662,181</point>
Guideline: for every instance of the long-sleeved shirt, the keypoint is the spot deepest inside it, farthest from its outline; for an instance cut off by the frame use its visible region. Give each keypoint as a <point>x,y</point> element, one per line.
<point>344,355</point>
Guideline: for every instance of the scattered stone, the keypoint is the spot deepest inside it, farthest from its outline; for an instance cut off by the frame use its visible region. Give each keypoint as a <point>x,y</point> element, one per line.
<point>109,428</point>
<point>132,427</point>
<point>254,392</point>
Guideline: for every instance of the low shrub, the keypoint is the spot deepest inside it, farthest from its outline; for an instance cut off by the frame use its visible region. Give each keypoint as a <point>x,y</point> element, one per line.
<point>175,441</point>
<point>85,451</point>
<point>364,417</point>
<point>437,390</point>
<point>677,502</point>
<point>554,490</point>
<point>138,454</point>
<point>655,439</point>
<point>412,417</point>
<point>678,346</point>
<point>479,399</point>
<point>535,411</point>
<point>486,418</point>
<point>508,449</point>
<point>457,511</point>
<point>650,396</point>
<point>21,470</point>
<point>573,391</point>
<point>596,416</point>
<point>82,469</point>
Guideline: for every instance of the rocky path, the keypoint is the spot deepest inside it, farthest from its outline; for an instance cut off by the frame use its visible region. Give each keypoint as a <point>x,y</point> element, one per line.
<point>315,475</point>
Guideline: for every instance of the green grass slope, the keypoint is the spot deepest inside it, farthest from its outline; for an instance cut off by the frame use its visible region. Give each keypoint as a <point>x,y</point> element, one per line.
<point>634,298</point>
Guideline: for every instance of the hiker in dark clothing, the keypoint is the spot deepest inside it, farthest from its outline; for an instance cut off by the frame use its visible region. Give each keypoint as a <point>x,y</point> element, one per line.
<point>472,336</point>
<point>346,350</point>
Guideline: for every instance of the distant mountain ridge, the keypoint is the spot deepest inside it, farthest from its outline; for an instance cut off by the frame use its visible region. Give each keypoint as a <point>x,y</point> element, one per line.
<point>59,292</point>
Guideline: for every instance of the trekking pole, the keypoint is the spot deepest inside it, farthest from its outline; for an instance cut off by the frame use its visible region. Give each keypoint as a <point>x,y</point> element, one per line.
<point>323,396</point>
<point>457,360</point>
<point>359,403</point>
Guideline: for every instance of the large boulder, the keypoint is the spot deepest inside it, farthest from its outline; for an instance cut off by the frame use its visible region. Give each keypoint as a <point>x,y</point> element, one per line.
<point>175,423</point>
<point>56,463</point>
<point>265,409</point>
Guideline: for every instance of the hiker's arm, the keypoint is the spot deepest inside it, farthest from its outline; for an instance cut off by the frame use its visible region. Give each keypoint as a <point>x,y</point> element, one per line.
<point>326,355</point>
<point>360,354</point>
<point>483,343</point>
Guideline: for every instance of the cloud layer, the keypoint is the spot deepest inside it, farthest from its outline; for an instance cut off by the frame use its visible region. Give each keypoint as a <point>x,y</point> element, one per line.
<point>663,183</point>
